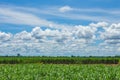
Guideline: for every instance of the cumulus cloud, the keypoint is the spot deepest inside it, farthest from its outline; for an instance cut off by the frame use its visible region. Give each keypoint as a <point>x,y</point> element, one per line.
<point>78,40</point>
<point>23,37</point>
<point>85,32</point>
<point>99,24</point>
<point>112,34</point>
<point>79,33</point>
<point>47,41</point>
<point>5,37</point>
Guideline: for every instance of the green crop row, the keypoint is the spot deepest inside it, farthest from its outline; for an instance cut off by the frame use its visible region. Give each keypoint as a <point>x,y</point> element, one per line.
<point>59,72</point>
<point>58,60</point>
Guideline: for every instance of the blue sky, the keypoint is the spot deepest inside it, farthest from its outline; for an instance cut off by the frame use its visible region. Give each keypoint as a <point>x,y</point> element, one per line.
<point>76,3</point>
<point>60,27</point>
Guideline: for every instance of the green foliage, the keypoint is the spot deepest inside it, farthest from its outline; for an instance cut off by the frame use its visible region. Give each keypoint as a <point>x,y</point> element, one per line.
<point>59,60</point>
<point>59,72</point>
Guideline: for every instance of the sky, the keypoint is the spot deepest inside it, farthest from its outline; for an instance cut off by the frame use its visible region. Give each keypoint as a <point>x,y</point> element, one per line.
<point>60,27</point>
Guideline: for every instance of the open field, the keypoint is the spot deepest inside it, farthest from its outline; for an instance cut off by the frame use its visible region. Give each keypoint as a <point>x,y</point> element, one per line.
<point>59,68</point>
<point>59,60</point>
<point>59,72</point>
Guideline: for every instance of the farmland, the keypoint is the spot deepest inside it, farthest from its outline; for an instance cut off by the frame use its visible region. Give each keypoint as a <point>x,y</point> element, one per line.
<point>59,60</point>
<point>59,72</point>
<point>59,68</point>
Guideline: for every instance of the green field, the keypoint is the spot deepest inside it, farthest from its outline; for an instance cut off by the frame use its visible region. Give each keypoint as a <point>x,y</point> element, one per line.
<point>59,68</point>
<point>59,60</point>
<point>59,72</point>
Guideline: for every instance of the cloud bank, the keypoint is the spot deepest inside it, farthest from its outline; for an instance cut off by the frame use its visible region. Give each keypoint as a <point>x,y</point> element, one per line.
<point>101,38</point>
<point>77,40</point>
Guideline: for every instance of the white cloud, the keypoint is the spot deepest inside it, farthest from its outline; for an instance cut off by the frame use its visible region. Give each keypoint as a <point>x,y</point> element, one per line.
<point>79,40</point>
<point>11,16</point>
<point>23,37</point>
<point>99,24</point>
<point>57,12</point>
<point>77,13</point>
<point>65,9</point>
<point>111,35</point>
<point>48,41</point>
<point>28,16</point>
<point>5,37</point>
<point>85,32</point>
<point>118,49</point>
<point>51,35</point>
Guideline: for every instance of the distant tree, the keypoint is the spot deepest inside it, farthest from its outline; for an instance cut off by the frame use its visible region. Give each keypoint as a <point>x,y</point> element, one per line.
<point>18,55</point>
<point>72,56</point>
<point>6,55</point>
<point>90,56</point>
